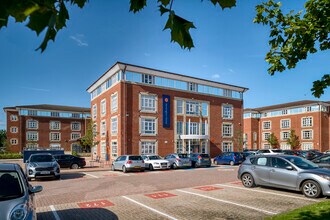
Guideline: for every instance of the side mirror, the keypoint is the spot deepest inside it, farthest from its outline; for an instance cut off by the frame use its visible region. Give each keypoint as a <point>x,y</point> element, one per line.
<point>289,167</point>
<point>35,189</point>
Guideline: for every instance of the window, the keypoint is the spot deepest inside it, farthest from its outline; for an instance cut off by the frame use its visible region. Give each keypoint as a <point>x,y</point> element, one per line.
<point>227,146</point>
<point>192,86</point>
<point>148,147</point>
<point>192,108</point>
<point>227,130</point>
<point>179,146</point>
<point>307,122</point>
<point>245,137</point>
<point>55,136</point>
<point>262,161</point>
<point>75,126</point>
<point>55,114</point>
<point>75,115</point>
<point>103,148</point>
<point>148,103</point>
<point>266,146</point>
<point>306,146</point>
<point>13,129</point>
<point>103,107</point>
<point>179,127</point>
<point>205,107</point>
<point>285,146</point>
<point>179,106</point>
<point>308,108</point>
<point>284,112</point>
<point>55,146</point>
<point>227,93</point>
<point>148,79</point>
<point>103,128</point>
<point>266,136</point>
<point>307,134</point>
<point>266,125</point>
<point>255,136</point>
<point>148,126</point>
<point>31,136</point>
<point>285,135</point>
<point>114,102</point>
<point>203,143</point>
<point>94,111</point>
<point>227,111</point>
<point>75,136</point>
<point>285,123</point>
<point>192,128</point>
<point>114,149</point>
<point>32,112</point>
<point>13,118</point>
<point>13,141</point>
<point>54,125</point>
<point>31,146</point>
<point>114,125</point>
<point>32,124</point>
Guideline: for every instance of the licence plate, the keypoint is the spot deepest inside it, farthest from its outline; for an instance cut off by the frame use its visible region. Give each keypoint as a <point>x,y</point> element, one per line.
<point>44,172</point>
<point>137,167</point>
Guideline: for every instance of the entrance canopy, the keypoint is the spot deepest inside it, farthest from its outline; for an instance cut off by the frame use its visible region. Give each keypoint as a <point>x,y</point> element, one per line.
<point>192,136</point>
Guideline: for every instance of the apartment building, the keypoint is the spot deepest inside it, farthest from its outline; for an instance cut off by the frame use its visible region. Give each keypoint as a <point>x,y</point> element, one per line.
<point>309,119</point>
<point>139,110</point>
<point>45,126</point>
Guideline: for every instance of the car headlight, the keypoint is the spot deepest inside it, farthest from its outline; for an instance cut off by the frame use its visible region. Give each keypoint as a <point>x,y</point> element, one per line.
<point>19,212</point>
<point>32,165</point>
<point>156,163</point>
<point>324,176</point>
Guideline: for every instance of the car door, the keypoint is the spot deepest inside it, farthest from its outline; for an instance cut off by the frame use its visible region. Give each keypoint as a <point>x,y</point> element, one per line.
<point>66,159</point>
<point>323,162</point>
<point>117,162</point>
<point>280,176</point>
<point>260,170</point>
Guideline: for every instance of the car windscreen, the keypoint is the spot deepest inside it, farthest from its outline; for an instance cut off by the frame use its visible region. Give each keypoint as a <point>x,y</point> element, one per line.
<point>10,185</point>
<point>183,155</point>
<point>135,158</point>
<point>154,157</point>
<point>204,155</point>
<point>302,163</point>
<point>42,158</point>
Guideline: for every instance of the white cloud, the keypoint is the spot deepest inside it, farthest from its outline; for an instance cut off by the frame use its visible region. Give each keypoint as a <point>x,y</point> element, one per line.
<point>215,76</point>
<point>231,70</point>
<point>80,40</point>
<point>35,89</point>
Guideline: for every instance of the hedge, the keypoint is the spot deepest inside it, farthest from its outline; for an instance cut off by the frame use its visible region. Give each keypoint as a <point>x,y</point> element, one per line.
<point>11,156</point>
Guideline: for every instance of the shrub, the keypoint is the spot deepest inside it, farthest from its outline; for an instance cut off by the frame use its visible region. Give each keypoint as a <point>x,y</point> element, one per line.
<point>11,156</point>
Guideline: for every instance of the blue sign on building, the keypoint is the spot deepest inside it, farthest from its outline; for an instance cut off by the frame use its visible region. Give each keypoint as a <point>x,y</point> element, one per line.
<point>166,111</point>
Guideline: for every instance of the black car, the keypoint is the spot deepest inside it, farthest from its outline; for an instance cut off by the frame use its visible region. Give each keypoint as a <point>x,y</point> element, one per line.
<point>323,161</point>
<point>199,160</point>
<point>310,154</point>
<point>70,161</point>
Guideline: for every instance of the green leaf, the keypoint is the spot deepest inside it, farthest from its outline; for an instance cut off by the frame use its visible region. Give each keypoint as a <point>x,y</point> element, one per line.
<point>39,20</point>
<point>137,5</point>
<point>224,3</point>
<point>180,30</point>
<point>80,3</point>
<point>164,2</point>
<point>63,15</point>
<point>163,10</point>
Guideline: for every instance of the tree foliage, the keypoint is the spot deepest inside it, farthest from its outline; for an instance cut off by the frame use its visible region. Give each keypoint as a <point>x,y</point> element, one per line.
<point>294,36</point>
<point>4,144</point>
<point>88,141</point>
<point>293,140</point>
<point>273,140</point>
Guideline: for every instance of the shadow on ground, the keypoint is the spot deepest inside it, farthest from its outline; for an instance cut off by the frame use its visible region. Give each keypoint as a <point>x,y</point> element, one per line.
<point>64,176</point>
<point>79,214</point>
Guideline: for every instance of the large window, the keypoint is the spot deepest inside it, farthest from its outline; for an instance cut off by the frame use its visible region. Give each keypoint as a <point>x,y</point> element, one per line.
<point>306,146</point>
<point>54,125</point>
<point>54,136</point>
<point>54,114</point>
<point>94,111</point>
<point>179,146</point>
<point>285,135</point>
<point>31,136</point>
<point>227,130</point>
<point>148,102</point>
<point>148,126</point>
<point>148,147</point>
<point>192,86</point>
<point>114,149</point>
<point>227,146</point>
<point>32,112</point>
<point>307,122</point>
<point>179,127</point>
<point>75,126</point>
<point>307,134</point>
<point>103,107</point>
<point>285,123</point>
<point>192,128</point>
<point>179,106</point>
<point>227,111</point>
<point>114,125</point>
<point>192,108</point>
<point>114,102</point>
<point>266,125</point>
<point>148,79</point>
<point>103,128</point>
<point>266,136</point>
<point>32,124</point>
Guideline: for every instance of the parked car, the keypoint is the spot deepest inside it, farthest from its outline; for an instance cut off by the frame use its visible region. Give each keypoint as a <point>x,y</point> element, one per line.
<point>178,160</point>
<point>291,152</point>
<point>70,161</point>
<point>245,154</point>
<point>42,165</point>
<point>310,154</point>
<point>155,162</point>
<point>128,163</point>
<point>230,158</point>
<point>270,151</point>
<point>287,172</point>
<point>199,160</point>
<point>323,161</point>
<point>16,194</point>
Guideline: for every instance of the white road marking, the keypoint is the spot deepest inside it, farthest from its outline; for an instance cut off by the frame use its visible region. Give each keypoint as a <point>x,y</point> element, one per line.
<point>152,209</point>
<point>54,212</point>
<point>225,170</point>
<point>91,175</point>
<point>228,202</point>
<point>260,191</point>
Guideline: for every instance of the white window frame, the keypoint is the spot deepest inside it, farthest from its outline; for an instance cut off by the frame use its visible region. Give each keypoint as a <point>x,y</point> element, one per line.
<point>103,128</point>
<point>148,120</point>
<point>255,136</point>
<point>114,149</point>
<point>264,134</point>
<point>192,86</point>
<point>227,130</point>
<point>54,136</point>
<point>103,149</point>
<point>307,146</point>
<point>32,134</point>
<point>103,107</point>
<point>264,123</point>
<point>74,126</point>
<point>114,102</point>
<point>94,111</point>
<point>13,129</point>
<point>148,79</point>
<point>266,146</point>
<point>13,118</point>
<point>307,122</point>
<point>148,102</point>
<point>227,146</point>
<point>55,146</point>
<point>179,146</point>
<point>75,135</point>
<point>13,141</point>
<point>148,147</point>
<point>304,135</point>
<point>32,145</point>
<point>192,108</point>
<point>285,123</point>
<point>179,106</point>
<point>32,124</point>
<point>114,125</point>
<point>57,127</point>
<point>285,135</point>
<point>285,146</point>
<point>227,111</point>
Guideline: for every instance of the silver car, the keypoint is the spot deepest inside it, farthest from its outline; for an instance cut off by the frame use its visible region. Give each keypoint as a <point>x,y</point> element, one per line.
<point>16,194</point>
<point>178,160</point>
<point>42,165</point>
<point>287,172</point>
<point>128,163</point>
<point>155,162</point>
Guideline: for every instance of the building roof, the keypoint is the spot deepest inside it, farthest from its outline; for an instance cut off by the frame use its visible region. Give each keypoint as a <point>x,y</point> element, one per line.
<point>50,107</point>
<point>166,72</point>
<point>286,105</point>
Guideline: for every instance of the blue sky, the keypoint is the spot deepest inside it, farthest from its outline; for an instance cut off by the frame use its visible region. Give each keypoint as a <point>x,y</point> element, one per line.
<point>229,48</point>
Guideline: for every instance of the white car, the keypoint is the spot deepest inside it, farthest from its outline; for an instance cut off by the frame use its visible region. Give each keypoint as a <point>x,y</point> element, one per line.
<point>270,151</point>
<point>155,162</point>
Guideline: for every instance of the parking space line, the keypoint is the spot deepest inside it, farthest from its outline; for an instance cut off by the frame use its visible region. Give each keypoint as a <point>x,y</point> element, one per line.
<point>260,191</point>
<point>228,202</point>
<point>119,173</point>
<point>54,212</point>
<point>91,175</point>
<point>147,207</point>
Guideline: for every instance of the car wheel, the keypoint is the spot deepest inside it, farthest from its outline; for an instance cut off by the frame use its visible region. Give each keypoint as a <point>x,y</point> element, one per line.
<point>231,163</point>
<point>74,166</point>
<point>124,169</point>
<point>248,180</point>
<point>195,165</point>
<point>216,162</point>
<point>311,189</point>
<point>58,177</point>
<point>151,167</point>
<point>112,167</point>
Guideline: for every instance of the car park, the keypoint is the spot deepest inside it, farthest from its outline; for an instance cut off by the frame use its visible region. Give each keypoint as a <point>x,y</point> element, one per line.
<point>70,161</point>
<point>127,163</point>
<point>310,154</point>
<point>230,158</point>
<point>200,160</point>
<point>270,151</point>
<point>291,152</point>
<point>155,162</point>
<point>178,160</point>
<point>42,165</point>
<point>16,194</point>
<point>287,172</point>
<point>323,161</point>
<point>245,154</point>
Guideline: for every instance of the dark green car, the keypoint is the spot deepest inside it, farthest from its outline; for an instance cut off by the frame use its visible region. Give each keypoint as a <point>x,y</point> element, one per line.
<point>200,160</point>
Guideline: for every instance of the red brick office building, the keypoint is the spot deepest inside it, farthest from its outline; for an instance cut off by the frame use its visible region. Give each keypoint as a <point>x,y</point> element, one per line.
<point>309,119</point>
<point>45,126</point>
<point>138,110</point>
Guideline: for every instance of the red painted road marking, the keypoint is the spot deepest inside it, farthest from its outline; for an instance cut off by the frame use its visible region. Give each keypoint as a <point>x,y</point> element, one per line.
<point>208,188</point>
<point>95,204</point>
<point>237,183</point>
<point>160,195</point>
